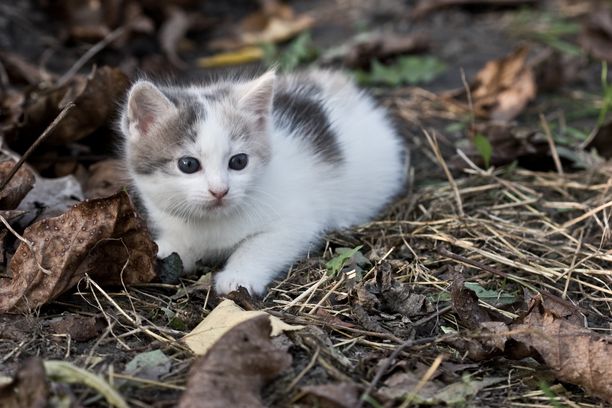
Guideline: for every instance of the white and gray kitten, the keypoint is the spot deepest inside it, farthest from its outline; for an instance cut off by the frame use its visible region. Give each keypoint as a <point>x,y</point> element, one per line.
<point>256,170</point>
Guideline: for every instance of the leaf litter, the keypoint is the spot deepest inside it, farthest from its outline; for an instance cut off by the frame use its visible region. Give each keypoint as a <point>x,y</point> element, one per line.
<point>487,274</point>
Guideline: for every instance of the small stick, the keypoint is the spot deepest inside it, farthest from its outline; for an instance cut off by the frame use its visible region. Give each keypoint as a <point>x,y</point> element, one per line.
<point>36,143</point>
<point>551,143</point>
<point>28,244</point>
<point>97,47</point>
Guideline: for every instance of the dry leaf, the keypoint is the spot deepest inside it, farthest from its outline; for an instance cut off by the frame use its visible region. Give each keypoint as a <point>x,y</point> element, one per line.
<point>104,238</point>
<point>107,177</point>
<point>596,36</point>
<point>172,31</point>
<point>95,98</point>
<point>224,318</point>
<point>274,23</point>
<point>235,368</point>
<point>425,7</point>
<point>336,395</point>
<point>574,353</point>
<point>54,195</point>
<point>386,292</point>
<point>29,387</point>
<point>360,52</point>
<point>79,328</point>
<point>465,304</point>
<point>242,55</point>
<point>21,183</point>
<point>602,141</point>
<point>504,86</point>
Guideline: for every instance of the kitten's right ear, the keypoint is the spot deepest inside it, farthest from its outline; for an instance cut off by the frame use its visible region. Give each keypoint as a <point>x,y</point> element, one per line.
<point>147,108</point>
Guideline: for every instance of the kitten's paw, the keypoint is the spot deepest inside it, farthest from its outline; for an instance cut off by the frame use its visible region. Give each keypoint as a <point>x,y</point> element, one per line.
<point>164,250</point>
<point>228,281</point>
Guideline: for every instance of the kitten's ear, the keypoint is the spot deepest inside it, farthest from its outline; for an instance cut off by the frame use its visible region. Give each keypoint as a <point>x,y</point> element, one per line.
<point>147,108</point>
<point>257,95</point>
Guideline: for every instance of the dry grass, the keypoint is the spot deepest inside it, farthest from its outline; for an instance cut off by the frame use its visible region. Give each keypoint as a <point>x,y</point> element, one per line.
<point>509,230</point>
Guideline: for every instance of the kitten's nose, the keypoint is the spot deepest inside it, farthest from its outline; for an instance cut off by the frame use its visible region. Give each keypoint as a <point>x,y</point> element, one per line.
<point>218,194</point>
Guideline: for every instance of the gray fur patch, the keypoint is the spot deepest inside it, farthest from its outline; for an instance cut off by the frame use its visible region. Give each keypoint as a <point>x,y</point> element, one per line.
<point>305,116</point>
<point>154,154</point>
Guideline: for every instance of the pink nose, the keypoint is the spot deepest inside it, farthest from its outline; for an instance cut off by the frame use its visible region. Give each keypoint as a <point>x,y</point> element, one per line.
<point>218,194</point>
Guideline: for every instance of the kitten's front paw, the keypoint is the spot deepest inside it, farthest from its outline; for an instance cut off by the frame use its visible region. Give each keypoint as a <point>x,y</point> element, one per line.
<point>164,250</point>
<point>228,281</point>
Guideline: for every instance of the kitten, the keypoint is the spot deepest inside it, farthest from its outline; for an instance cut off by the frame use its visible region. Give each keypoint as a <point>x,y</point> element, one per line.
<point>256,170</point>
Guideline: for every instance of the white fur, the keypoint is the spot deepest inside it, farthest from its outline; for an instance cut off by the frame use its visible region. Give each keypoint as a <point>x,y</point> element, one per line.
<point>276,210</point>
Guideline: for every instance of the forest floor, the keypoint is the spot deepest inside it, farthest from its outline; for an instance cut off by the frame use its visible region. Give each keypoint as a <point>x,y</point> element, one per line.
<point>487,283</point>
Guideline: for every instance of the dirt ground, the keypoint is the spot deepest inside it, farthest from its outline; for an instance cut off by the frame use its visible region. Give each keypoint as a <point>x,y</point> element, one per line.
<point>487,283</point>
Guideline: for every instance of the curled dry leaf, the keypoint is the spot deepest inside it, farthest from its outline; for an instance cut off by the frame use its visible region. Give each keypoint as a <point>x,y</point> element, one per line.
<point>235,368</point>
<point>95,98</point>
<point>465,304</point>
<point>335,395</point>
<point>21,183</point>
<point>425,7</point>
<point>392,296</point>
<point>574,353</point>
<point>172,31</point>
<point>602,141</point>
<point>29,388</point>
<point>224,318</point>
<point>78,327</point>
<point>504,87</point>
<point>106,178</point>
<point>596,36</point>
<point>275,22</point>
<point>360,52</point>
<point>104,238</point>
<point>508,143</point>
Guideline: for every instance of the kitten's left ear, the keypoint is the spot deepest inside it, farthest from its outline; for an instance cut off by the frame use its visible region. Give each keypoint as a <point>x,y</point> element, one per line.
<point>257,95</point>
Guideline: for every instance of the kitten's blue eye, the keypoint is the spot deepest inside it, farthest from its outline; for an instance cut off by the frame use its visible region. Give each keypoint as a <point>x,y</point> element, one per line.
<point>238,161</point>
<point>188,164</point>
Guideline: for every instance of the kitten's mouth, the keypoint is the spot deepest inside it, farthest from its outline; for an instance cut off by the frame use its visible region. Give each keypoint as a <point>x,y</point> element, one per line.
<point>217,204</point>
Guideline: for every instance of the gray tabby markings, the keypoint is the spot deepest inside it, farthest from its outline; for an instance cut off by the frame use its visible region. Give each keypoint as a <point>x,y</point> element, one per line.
<point>306,117</point>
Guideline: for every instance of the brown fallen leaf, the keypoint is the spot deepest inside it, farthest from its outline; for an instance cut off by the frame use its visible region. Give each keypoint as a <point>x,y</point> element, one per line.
<point>596,35</point>
<point>172,31</point>
<point>394,296</point>
<point>465,304</point>
<point>425,7</point>
<point>95,97</point>
<point>103,238</point>
<point>21,71</point>
<point>235,368</point>
<point>360,52</point>
<point>335,395</point>
<point>79,328</point>
<point>504,86</point>
<point>602,141</point>
<point>106,178</point>
<point>574,354</point>
<point>21,183</point>
<point>509,143</point>
<point>29,387</point>
<point>274,22</point>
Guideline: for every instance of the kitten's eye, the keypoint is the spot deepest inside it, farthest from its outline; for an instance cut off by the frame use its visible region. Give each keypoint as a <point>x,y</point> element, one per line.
<point>188,164</point>
<point>238,161</point>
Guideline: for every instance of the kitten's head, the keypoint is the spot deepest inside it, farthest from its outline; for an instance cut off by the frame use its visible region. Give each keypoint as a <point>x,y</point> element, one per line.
<point>197,152</point>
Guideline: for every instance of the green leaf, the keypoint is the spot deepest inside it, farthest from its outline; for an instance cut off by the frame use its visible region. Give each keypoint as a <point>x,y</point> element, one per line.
<point>299,51</point>
<point>406,70</point>
<point>482,144</point>
<point>491,296</point>
<point>336,264</point>
<point>149,364</point>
